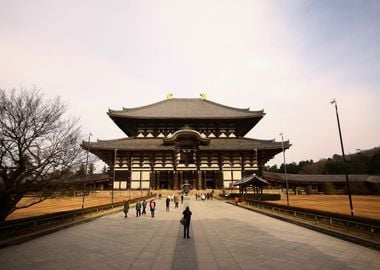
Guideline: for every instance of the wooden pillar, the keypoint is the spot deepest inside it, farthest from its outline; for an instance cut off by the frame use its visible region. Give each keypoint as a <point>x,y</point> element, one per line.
<point>219,180</point>
<point>198,171</point>
<point>199,180</point>
<point>220,172</point>
<point>171,180</point>
<point>180,179</point>
<point>158,184</point>
<point>260,164</point>
<point>155,177</point>
<point>242,165</point>
<point>152,179</point>
<point>129,183</point>
<point>175,180</point>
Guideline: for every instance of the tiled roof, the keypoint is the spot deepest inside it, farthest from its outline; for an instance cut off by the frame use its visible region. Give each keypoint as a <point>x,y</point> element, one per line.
<point>315,178</point>
<point>239,144</point>
<point>251,179</point>
<point>186,108</point>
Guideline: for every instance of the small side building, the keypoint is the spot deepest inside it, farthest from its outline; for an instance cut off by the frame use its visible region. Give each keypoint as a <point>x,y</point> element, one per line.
<point>359,183</point>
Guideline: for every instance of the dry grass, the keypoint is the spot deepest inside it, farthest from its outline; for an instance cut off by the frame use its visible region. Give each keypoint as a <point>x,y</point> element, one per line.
<point>60,204</point>
<point>364,206</point>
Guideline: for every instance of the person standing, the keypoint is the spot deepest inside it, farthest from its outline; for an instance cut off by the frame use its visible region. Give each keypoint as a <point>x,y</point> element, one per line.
<point>138,209</point>
<point>126,208</point>
<point>181,198</point>
<point>187,219</point>
<point>176,201</point>
<point>144,207</point>
<point>152,206</point>
<point>167,204</point>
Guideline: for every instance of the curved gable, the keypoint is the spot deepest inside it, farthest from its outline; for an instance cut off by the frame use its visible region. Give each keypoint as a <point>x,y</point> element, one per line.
<point>187,135</point>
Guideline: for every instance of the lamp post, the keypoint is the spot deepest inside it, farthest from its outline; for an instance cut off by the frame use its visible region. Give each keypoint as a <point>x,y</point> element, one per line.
<point>86,172</point>
<point>286,176</point>
<point>344,157</point>
<point>113,178</point>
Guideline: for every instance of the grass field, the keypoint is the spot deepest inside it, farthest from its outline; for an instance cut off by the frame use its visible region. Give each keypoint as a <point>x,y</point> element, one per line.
<point>60,204</point>
<point>365,206</point>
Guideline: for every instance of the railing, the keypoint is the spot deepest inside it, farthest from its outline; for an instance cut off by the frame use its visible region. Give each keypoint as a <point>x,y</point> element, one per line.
<point>29,225</point>
<point>341,224</point>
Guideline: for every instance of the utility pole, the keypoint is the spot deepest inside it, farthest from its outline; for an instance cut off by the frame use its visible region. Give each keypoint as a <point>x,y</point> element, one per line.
<point>344,157</point>
<point>286,175</point>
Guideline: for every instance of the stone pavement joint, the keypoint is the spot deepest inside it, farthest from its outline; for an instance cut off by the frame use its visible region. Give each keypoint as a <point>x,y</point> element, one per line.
<point>223,236</point>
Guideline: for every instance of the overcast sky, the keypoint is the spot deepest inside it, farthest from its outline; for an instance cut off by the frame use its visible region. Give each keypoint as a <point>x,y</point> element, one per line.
<point>290,58</point>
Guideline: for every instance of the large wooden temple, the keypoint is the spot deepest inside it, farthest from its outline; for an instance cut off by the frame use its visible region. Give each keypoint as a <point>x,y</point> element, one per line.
<point>184,139</point>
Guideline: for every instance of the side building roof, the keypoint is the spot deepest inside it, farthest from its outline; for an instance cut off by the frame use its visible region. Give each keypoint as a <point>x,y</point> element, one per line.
<point>316,178</point>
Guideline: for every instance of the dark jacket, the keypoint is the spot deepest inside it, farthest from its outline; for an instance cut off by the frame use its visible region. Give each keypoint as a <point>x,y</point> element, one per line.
<point>126,207</point>
<point>152,205</point>
<point>187,216</point>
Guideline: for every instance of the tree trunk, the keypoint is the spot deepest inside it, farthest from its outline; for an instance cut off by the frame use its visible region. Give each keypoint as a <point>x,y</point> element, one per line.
<point>7,205</point>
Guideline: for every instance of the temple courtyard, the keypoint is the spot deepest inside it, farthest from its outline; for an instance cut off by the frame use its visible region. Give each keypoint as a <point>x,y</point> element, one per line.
<point>223,236</point>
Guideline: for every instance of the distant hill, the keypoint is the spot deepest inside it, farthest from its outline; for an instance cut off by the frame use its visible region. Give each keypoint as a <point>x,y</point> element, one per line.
<point>362,162</point>
<point>368,152</point>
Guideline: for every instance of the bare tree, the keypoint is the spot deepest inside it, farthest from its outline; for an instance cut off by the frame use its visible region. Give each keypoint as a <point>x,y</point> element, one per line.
<point>38,147</point>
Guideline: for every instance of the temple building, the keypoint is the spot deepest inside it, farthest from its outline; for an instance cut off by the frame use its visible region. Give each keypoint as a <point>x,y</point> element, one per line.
<point>184,139</point>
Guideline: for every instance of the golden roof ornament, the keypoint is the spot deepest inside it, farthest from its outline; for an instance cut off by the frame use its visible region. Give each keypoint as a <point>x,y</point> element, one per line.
<point>169,95</point>
<point>203,96</point>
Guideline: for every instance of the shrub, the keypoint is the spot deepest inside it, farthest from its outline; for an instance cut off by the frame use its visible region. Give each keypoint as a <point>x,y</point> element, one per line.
<point>328,188</point>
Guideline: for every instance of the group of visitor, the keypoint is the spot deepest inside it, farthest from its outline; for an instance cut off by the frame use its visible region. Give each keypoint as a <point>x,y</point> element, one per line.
<point>203,197</point>
<point>173,198</point>
<point>185,221</point>
<point>140,206</point>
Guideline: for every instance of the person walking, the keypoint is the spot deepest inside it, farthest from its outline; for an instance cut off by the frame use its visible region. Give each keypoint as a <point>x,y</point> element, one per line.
<point>126,208</point>
<point>152,206</point>
<point>167,204</point>
<point>144,207</point>
<point>186,226</point>
<point>138,209</point>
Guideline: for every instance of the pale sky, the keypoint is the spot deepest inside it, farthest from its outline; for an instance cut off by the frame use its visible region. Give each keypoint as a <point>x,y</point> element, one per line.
<point>290,58</point>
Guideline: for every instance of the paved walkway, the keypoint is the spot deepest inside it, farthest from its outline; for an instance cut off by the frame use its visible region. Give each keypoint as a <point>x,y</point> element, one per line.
<point>222,237</point>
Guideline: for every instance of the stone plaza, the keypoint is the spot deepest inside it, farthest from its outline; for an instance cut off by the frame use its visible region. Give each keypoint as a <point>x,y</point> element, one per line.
<point>223,236</point>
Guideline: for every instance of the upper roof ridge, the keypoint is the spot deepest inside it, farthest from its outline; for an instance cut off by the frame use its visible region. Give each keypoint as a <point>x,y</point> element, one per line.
<point>176,103</point>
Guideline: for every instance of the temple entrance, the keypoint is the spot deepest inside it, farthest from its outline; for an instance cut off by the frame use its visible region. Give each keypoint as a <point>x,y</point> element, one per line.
<point>211,178</point>
<point>163,179</point>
